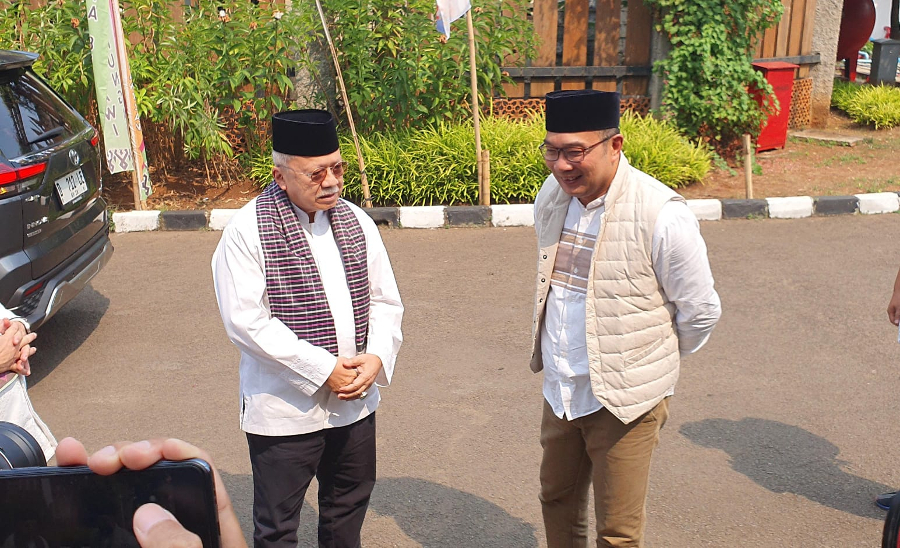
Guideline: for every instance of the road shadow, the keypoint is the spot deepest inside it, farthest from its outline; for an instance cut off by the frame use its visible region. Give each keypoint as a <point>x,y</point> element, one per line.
<point>442,517</point>
<point>787,459</point>
<point>66,331</point>
<point>430,514</point>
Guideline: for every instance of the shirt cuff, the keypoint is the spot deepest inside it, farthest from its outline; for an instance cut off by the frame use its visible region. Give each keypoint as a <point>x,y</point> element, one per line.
<point>314,372</point>
<point>22,321</point>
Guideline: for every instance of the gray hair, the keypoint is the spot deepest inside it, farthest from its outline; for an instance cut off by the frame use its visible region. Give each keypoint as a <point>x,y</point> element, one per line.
<point>280,159</point>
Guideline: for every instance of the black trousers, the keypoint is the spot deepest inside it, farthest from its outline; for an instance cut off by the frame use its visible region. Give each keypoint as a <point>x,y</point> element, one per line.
<point>342,460</point>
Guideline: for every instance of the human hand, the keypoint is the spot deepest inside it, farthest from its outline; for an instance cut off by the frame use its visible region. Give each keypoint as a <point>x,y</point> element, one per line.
<point>155,527</point>
<point>367,367</point>
<point>894,305</point>
<point>16,349</point>
<point>342,375</point>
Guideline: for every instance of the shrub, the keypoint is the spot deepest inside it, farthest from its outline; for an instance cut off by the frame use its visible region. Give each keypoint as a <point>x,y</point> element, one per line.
<point>658,149</point>
<point>871,105</point>
<point>191,77</point>
<point>402,73</point>
<point>436,165</point>
<point>708,72</point>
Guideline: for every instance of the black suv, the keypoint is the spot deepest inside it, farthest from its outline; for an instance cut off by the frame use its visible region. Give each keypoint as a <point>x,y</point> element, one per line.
<point>54,231</point>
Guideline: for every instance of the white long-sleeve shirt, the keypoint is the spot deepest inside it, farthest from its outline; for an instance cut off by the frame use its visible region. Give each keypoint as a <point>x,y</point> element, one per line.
<point>282,377</point>
<point>681,265</point>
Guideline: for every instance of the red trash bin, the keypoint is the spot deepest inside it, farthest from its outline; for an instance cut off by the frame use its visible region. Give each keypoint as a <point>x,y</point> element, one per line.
<point>780,76</point>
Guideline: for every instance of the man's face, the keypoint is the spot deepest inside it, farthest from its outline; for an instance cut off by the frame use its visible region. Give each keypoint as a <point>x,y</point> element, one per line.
<point>590,178</point>
<point>309,196</point>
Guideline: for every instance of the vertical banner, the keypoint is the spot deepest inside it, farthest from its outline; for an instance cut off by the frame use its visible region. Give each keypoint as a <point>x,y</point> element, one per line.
<point>122,133</point>
<point>107,79</point>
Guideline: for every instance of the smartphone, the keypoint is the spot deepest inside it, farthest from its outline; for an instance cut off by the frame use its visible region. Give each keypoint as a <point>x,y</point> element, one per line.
<point>74,507</point>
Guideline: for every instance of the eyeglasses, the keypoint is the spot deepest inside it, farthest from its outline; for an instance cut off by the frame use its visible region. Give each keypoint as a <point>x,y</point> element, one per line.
<point>318,176</point>
<point>573,155</point>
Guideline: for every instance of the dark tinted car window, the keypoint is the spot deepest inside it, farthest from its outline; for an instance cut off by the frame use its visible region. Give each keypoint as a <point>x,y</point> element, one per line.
<point>32,116</point>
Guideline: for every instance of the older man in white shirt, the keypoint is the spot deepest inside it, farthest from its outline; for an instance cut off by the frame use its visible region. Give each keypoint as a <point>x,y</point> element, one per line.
<point>307,293</point>
<point>624,288</point>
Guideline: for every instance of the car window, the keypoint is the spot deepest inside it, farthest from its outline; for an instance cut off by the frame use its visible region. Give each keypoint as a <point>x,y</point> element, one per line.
<point>32,116</point>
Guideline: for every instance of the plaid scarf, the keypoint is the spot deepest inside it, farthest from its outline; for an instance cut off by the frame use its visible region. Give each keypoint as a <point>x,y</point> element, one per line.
<point>293,284</point>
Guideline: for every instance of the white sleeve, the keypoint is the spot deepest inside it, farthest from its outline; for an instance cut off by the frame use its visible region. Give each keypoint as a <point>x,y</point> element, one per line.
<point>385,307</point>
<point>5,313</point>
<point>240,284</point>
<point>682,267</point>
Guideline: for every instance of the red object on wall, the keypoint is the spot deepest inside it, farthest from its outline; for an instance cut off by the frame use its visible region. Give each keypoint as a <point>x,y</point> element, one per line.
<point>857,23</point>
<point>781,77</point>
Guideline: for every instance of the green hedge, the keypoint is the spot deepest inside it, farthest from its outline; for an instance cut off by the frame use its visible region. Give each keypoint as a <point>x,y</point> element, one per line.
<point>436,166</point>
<point>878,106</point>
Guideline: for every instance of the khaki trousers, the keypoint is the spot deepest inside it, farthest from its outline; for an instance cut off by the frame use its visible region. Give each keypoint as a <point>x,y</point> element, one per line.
<point>615,457</point>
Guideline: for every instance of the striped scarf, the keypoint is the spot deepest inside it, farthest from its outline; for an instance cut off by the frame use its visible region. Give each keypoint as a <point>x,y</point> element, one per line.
<point>293,284</point>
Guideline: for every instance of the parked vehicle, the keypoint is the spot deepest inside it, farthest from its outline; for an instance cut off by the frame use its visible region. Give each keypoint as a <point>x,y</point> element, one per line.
<point>54,230</point>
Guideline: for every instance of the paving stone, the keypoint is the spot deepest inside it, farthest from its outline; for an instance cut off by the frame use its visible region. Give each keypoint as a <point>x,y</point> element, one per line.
<point>792,207</point>
<point>878,202</point>
<point>136,221</point>
<point>384,216</point>
<point>827,137</point>
<point>706,210</point>
<point>422,216</point>
<point>469,215</point>
<point>512,215</point>
<point>742,209</point>
<point>836,205</point>
<point>183,220</point>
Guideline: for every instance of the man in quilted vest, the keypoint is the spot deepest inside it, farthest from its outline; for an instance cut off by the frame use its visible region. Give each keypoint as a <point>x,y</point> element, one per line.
<point>624,288</point>
<point>307,294</point>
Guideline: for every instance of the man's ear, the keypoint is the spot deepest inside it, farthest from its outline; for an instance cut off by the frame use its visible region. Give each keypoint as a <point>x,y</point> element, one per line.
<point>617,142</point>
<point>279,177</point>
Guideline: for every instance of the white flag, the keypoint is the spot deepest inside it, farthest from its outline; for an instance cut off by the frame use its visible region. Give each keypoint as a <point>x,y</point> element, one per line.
<point>449,11</point>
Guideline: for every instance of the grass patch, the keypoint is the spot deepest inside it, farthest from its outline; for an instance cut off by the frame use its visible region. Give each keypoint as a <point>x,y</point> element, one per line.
<point>843,159</point>
<point>435,165</point>
<point>877,106</point>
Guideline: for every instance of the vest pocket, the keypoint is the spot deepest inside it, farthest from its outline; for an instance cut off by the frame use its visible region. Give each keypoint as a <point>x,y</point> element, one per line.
<point>633,357</point>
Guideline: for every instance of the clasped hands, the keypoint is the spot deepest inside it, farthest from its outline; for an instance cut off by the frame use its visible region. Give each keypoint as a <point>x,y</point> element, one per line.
<point>15,347</point>
<point>352,377</point>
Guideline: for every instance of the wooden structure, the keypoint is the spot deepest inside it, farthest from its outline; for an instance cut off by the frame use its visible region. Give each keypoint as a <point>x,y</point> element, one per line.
<point>610,45</point>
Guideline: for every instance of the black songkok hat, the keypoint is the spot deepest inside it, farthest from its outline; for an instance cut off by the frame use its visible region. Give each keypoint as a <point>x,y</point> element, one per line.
<point>308,132</point>
<point>576,110</point>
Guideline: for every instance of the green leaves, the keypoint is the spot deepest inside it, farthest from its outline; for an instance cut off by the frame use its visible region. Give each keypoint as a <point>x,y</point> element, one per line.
<point>872,105</point>
<point>400,75</point>
<point>436,164</point>
<point>708,72</point>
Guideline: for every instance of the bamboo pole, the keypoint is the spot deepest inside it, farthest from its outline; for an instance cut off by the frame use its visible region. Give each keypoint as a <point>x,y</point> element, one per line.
<point>476,113</point>
<point>486,183</point>
<point>367,198</point>
<point>748,166</point>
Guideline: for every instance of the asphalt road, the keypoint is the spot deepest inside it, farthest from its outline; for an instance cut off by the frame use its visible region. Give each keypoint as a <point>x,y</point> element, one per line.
<point>781,432</point>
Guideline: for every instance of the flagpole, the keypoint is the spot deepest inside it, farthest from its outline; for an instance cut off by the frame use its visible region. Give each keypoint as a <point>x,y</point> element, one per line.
<point>367,199</point>
<point>484,197</point>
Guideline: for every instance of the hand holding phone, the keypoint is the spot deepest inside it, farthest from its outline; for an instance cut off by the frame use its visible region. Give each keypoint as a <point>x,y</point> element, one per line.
<point>154,527</point>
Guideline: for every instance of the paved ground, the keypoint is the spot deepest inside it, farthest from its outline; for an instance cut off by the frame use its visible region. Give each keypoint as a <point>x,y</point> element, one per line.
<point>783,428</point>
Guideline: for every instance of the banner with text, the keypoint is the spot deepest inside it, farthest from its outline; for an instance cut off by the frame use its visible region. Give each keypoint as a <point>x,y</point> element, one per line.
<point>122,134</point>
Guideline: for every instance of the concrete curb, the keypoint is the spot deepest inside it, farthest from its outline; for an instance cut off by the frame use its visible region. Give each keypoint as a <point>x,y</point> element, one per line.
<point>503,215</point>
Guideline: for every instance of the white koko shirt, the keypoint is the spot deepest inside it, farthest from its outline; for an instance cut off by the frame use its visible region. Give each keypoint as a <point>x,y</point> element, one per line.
<point>283,390</point>
<point>681,266</point>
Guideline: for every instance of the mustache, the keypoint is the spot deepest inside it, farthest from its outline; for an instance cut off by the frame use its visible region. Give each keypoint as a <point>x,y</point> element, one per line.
<point>324,193</point>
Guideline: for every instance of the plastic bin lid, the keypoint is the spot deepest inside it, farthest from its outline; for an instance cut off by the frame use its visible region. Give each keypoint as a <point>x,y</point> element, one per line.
<point>775,65</point>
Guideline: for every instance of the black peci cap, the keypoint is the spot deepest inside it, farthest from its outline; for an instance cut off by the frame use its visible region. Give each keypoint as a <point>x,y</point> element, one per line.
<point>308,132</point>
<point>576,110</point>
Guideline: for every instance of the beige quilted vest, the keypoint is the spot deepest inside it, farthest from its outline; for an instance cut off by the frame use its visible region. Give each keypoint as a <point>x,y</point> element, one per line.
<point>631,341</point>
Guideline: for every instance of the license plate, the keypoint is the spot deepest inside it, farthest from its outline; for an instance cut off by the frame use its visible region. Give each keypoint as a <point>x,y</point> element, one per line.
<point>71,187</point>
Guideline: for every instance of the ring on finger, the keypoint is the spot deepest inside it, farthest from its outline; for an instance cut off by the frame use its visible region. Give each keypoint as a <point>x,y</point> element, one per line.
<point>363,395</point>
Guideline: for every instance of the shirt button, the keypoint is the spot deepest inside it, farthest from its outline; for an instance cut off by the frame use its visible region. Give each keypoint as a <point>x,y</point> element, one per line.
<point>542,280</point>
<point>545,256</point>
